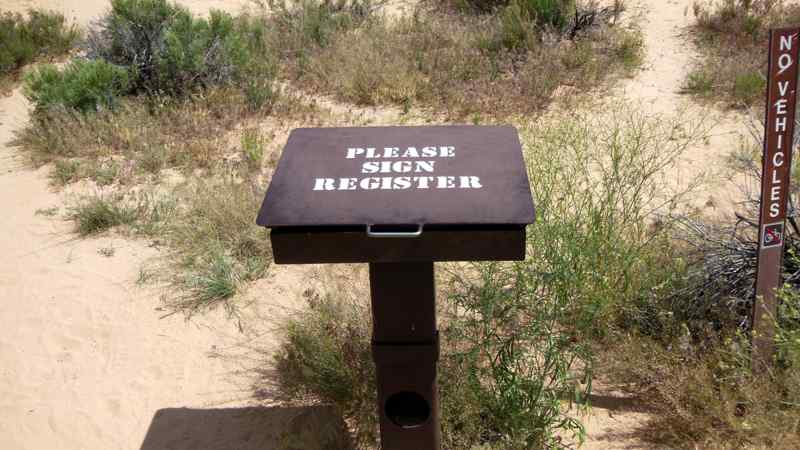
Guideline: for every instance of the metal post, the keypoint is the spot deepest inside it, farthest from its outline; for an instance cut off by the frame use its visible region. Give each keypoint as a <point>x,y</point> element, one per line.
<point>784,51</point>
<point>405,348</point>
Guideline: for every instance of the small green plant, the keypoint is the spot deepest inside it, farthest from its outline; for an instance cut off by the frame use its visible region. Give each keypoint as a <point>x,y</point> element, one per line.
<point>326,355</point>
<point>152,159</point>
<point>84,85</point>
<point>253,147</point>
<point>47,212</point>
<point>630,50</point>
<point>749,87</point>
<point>65,171</point>
<point>108,252</point>
<point>105,173</point>
<point>517,26</point>
<point>260,93</point>
<point>144,276</point>
<point>215,281</point>
<point>548,13</point>
<point>215,246</point>
<point>95,214</point>
<point>699,83</point>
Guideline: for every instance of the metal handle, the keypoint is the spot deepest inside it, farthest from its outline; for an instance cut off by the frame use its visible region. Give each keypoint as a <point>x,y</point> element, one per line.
<point>394,234</point>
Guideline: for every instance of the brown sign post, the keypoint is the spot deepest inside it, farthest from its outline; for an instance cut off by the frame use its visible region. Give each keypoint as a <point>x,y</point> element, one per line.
<point>400,198</point>
<point>784,51</point>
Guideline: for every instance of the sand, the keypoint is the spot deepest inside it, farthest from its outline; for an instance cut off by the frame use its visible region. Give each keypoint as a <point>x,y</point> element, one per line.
<point>88,362</point>
<point>84,12</point>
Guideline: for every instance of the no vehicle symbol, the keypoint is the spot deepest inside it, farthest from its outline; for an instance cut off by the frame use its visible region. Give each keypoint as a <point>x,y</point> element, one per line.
<point>772,235</point>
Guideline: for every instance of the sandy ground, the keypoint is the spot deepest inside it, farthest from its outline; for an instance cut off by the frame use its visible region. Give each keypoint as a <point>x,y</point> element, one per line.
<point>657,88</point>
<point>84,12</point>
<point>88,362</point>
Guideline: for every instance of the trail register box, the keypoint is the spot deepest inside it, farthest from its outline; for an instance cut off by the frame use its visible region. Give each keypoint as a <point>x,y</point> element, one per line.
<point>400,198</point>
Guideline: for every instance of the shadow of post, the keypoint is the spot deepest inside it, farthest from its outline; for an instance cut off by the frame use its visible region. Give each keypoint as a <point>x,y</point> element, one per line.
<point>251,428</point>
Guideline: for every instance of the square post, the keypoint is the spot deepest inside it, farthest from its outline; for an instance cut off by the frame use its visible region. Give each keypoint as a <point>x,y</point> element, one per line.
<point>405,348</point>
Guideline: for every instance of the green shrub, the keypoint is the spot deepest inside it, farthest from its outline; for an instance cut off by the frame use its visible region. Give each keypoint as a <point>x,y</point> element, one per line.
<point>707,397</point>
<point>65,171</point>
<point>462,65</point>
<point>732,38</point>
<point>96,214</point>
<point>105,173</point>
<point>304,24</point>
<point>517,27</point>
<point>42,33</point>
<point>84,85</point>
<point>326,355</point>
<point>699,82</point>
<point>749,87</point>
<point>216,247</point>
<point>253,147</point>
<point>549,13</point>
<point>168,51</point>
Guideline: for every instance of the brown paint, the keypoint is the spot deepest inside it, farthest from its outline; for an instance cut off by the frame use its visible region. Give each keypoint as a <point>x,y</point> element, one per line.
<point>405,347</point>
<point>351,245</point>
<point>776,171</point>
<point>491,153</point>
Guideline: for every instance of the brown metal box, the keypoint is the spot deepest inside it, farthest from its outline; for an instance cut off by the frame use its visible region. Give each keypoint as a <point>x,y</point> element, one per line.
<point>399,194</point>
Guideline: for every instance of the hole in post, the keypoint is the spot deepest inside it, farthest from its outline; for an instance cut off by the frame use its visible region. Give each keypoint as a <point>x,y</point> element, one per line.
<point>407,409</point>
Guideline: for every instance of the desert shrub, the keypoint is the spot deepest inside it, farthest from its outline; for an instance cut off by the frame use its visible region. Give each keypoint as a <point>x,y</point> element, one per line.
<point>691,359</point>
<point>95,214</point>
<point>461,64</point>
<point>84,85</point>
<point>303,24</point>
<point>708,398</point>
<point>216,247</point>
<point>548,13</point>
<point>326,356</point>
<point>515,337</point>
<point>141,213</point>
<point>41,33</point>
<point>715,299</point>
<point>748,87</point>
<point>699,82</point>
<point>168,51</point>
<point>104,172</point>
<point>184,134</point>
<point>600,238</point>
<point>65,171</point>
<point>732,35</point>
<point>252,147</point>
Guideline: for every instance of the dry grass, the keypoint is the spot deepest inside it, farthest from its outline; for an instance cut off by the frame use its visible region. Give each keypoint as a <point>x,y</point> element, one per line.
<point>139,139</point>
<point>707,398</point>
<point>460,64</point>
<point>215,245</point>
<point>732,37</point>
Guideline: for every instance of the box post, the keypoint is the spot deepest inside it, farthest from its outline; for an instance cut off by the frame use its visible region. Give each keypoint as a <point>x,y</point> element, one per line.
<point>405,348</point>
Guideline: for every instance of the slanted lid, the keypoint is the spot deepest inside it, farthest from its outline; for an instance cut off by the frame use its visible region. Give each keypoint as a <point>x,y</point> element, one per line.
<point>436,175</point>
